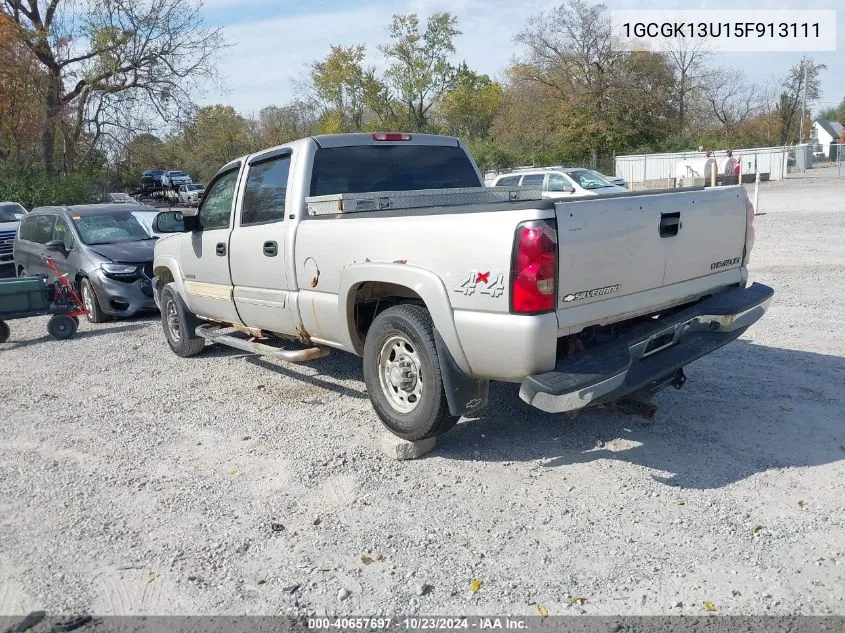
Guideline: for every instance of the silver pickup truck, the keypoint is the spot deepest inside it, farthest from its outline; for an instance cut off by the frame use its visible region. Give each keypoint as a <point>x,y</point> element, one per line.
<point>388,246</point>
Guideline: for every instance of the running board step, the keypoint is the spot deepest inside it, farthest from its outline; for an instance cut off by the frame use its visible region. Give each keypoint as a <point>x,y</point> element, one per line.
<point>291,356</point>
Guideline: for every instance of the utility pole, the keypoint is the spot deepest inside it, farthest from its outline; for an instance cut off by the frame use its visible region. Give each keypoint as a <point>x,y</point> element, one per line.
<point>804,103</point>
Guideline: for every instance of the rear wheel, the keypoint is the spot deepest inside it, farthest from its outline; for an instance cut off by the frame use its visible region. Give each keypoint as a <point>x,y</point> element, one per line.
<point>4,332</point>
<point>89,298</point>
<point>179,324</point>
<point>61,327</point>
<point>402,374</point>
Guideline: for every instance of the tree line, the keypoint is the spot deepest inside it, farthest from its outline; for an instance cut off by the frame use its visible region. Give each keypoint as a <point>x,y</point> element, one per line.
<point>97,97</point>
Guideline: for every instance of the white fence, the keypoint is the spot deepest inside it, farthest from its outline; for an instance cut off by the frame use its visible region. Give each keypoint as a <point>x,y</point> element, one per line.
<point>640,167</point>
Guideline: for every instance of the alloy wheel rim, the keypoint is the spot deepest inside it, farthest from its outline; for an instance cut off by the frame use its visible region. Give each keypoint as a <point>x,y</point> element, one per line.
<point>87,299</point>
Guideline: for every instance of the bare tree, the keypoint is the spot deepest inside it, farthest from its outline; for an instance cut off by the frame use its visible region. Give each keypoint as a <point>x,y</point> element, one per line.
<point>793,86</point>
<point>568,50</point>
<point>731,100</point>
<point>158,52</point>
<point>689,60</point>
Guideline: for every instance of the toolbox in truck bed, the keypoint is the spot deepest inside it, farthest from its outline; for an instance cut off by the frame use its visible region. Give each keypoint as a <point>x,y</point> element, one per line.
<point>394,200</point>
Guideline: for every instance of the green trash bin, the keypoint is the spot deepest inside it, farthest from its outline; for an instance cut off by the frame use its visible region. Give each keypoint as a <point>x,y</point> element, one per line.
<point>23,294</point>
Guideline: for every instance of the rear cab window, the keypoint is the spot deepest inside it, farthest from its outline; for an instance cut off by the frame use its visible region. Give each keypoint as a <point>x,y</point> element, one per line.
<point>366,168</point>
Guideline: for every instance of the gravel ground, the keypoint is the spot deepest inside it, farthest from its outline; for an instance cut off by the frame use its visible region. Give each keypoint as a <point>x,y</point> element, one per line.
<point>135,482</point>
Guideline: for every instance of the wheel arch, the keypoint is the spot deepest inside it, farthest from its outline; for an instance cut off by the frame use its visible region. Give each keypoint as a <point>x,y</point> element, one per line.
<point>166,270</point>
<point>409,284</point>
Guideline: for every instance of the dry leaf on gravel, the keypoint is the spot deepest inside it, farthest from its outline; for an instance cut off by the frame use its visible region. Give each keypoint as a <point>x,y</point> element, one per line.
<point>578,600</point>
<point>801,504</point>
<point>756,529</point>
<point>709,606</point>
<point>475,585</point>
<point>543,611</point>
<point>151,577</point>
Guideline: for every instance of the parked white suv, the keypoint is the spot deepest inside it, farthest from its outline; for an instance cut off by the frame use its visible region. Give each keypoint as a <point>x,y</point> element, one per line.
<point>560,182</point>
<point>175,178</point>
<point>191,194</point>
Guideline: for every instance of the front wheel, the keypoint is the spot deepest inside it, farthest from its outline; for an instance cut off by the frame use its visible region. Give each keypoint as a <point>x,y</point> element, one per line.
<point>179,324</point>
<point>402,374</point>
<point>89,298</point>
<point>4,332</point>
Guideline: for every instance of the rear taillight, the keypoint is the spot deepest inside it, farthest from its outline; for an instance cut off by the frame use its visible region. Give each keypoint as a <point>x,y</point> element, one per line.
<point>390,136</point>
<point>534,268</point>
<point>749,232</point>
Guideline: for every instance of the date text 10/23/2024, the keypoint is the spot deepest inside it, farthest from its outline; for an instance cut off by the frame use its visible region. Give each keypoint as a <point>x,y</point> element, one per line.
<point>418,623</point>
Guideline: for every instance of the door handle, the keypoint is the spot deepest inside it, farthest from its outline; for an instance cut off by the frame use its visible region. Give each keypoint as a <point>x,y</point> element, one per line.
<point>221,249</point>
<point>271,249</point>
<point>670,224</point>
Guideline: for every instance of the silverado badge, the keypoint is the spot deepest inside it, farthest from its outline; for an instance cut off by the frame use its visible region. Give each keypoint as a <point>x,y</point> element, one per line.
<point>589,294</point>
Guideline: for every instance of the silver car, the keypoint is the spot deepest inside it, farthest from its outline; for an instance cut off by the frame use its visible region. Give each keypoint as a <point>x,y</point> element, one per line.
<point>560,182</point>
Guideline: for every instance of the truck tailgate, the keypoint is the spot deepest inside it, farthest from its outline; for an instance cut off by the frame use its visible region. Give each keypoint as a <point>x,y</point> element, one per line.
<point>628,255</point>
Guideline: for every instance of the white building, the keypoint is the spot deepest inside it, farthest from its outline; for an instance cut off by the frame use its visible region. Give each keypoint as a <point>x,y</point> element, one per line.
<point>826,132</point>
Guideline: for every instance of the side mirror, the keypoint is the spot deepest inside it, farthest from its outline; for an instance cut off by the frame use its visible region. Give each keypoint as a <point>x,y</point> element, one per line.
<point>56,246</point>
<point>170,222</point>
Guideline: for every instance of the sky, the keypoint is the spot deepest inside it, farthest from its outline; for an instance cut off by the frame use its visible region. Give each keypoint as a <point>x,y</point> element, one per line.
<point>272,41</point>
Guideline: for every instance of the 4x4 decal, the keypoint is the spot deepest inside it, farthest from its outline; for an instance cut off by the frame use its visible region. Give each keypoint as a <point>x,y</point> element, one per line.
<point>485,283</point>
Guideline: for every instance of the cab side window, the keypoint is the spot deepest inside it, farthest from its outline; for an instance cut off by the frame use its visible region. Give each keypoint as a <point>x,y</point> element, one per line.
<point>62,232</point>
<point>41,229</point>
<point>216,209</point>
<point>266,191</point>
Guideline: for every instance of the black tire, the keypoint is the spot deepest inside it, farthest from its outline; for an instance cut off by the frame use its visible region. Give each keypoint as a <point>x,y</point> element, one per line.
<point>179,324</point>
<point>21,271</point>
<point>407,328</point>
<point>61,327</point>
<point>89,298</point>
<point>4,332</point>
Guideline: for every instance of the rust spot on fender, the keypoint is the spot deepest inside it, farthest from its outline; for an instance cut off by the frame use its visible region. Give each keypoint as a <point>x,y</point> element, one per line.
<point>401,261</point>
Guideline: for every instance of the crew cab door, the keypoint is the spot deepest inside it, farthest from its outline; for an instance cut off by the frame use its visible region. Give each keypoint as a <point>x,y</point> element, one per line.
<point>205,255</point>
<point>258,253</point>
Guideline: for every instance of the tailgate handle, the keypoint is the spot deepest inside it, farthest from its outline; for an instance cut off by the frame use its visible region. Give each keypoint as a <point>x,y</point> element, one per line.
<point>271,249</point>
<point>670,223</point>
